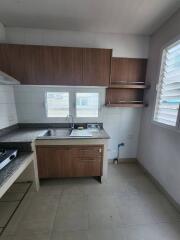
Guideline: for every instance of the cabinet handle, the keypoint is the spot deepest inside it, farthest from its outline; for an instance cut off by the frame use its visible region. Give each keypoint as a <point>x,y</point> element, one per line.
<point>100,150</point>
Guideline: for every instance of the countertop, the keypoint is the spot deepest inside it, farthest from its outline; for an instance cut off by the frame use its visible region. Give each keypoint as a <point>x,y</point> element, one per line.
<point>12,167</point>
<point>27,135</point>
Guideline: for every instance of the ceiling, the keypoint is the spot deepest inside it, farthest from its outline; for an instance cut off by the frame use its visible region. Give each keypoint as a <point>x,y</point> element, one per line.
<point>110,16</point>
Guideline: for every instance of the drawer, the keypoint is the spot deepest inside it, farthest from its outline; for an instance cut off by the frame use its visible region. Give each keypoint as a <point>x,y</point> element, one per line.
<point>87,167</point>
<point>87,151</point>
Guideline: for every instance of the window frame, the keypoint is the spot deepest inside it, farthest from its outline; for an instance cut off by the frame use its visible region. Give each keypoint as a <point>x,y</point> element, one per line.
<point>87,91</point>
<point>46,104</point>
<point>159,82</point>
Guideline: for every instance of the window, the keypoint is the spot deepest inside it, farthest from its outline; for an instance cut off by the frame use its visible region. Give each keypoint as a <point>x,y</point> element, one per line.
<point>57,104</point>
<point>168,91</point>
<point>87,105</point>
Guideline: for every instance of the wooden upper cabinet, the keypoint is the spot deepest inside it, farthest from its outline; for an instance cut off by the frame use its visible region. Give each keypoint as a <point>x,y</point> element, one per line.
<point>49,65</point>
<point>128,70</point>
<point>96,66</point>
<point>42,65</point>
<point>67,65</point>
<point>10,60</point>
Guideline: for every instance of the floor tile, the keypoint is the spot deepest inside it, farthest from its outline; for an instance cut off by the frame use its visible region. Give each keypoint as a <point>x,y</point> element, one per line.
<point>127,206</point>
<point>106,219</point>
<point>6,210</point>
<point>70,221</point>
<point>51,187</point>
<point>28,236</point>
<point>40,213</point>
<point>73,204</point>
<point>70,235</point>
<point>164,231</point>
<point>141,184</point>
<point>73,189</point>
<point>105,234</point>
<point>99,203</point>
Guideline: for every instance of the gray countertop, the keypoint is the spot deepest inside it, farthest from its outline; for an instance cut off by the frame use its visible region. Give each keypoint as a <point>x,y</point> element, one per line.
<point>22,135</point>
<point>27,135</point>
<point>12,167</point>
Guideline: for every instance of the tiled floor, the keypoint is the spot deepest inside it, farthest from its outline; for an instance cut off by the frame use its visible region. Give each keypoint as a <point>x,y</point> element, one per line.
<point>126,207</point>
<point>10,201</point>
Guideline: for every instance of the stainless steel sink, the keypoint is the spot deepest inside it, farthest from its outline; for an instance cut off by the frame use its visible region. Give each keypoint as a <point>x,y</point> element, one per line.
<point>61,133</point>
<point>58,133</point>
<point>80,133</point>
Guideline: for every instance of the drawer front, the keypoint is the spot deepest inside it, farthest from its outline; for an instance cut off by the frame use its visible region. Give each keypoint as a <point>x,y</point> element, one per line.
<point>87,160</point>
<point>87,151</point>
<point>87,167</point>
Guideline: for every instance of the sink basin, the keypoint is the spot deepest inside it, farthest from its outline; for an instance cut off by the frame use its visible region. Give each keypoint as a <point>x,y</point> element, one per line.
<point>80,133</point>
<point>57,133</point>
<point>61,133</point>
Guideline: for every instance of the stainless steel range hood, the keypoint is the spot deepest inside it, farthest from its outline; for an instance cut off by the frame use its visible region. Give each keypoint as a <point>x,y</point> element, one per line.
<point>6,79</point>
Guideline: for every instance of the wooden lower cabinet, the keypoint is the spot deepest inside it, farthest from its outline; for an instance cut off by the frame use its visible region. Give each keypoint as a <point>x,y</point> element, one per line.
<point>69,161</point>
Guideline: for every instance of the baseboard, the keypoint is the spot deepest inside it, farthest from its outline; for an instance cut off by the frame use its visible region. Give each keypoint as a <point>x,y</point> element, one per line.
<point>160,187</point>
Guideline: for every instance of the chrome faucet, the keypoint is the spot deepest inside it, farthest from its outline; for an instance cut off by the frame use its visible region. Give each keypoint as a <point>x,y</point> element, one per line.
<point>72,120</point>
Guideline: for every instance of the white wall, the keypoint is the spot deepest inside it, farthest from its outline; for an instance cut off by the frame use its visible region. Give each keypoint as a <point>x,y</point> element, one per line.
<point>159,147</point>
<point>2,33</point>
<point>122,124</point>
<point>124,45</point>
<point>8,115</point>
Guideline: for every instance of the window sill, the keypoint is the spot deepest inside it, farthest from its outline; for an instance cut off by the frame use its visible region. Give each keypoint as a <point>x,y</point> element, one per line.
<point>168,127</point>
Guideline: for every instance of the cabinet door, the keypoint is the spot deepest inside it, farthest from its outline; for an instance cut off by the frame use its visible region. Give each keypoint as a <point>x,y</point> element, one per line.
<point>68,64</point>
<point>69,161</point>
<point>128,70</point>
<point>10,60</point>
<point>96,66</point>
<point>52,161</point>
<point>87,160</point>
<point>137,70</point>
<point>119,70</point>
<point>42,65</point>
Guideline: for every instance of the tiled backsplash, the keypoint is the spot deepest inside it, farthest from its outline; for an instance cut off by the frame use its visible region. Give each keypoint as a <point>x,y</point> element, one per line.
<point>8,114</point>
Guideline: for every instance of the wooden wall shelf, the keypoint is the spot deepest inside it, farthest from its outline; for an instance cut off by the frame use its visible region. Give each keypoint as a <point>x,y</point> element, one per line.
<point>127,83</point>
<point>133,105</point>
<point>135,86</point>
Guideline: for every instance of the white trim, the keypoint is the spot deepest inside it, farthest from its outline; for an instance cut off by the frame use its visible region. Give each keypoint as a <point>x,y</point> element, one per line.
<point>168,127</point>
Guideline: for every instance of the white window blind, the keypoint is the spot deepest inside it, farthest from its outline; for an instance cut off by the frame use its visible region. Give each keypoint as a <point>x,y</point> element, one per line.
<point>168,89</point>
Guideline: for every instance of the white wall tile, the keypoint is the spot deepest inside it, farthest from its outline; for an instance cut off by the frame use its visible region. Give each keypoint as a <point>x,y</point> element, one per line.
<point>8,114</point>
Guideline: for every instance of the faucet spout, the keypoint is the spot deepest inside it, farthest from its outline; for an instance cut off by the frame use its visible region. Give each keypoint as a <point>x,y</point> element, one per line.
<point>72,120</point>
